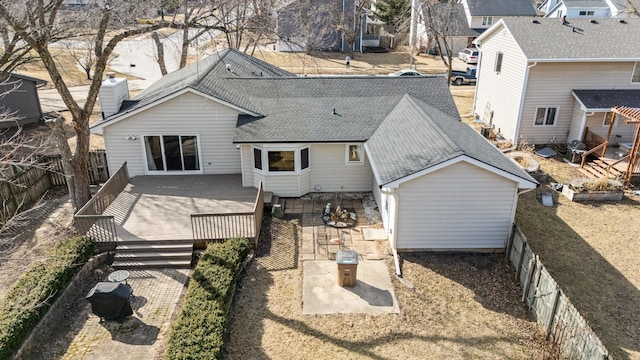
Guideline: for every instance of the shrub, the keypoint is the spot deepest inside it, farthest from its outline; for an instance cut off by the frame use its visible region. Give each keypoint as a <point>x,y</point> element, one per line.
<point>198,333</point>
<point>31,296</point>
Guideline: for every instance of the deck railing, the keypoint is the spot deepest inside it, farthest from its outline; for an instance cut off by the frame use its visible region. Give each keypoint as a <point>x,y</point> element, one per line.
<point>602,146</point>
<point>89,219</point>
<point>218,226</point>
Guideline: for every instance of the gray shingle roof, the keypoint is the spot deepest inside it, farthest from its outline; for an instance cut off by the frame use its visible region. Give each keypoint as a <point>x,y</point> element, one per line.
<point>578,39</point>
<point>501,8</point>
<point>204,76</point>
<point>606,99</point>
<point>585,4</point>
<point>458,25</point>
<point>416,136</point>
<point>301,109</point>
<point>409,123</point>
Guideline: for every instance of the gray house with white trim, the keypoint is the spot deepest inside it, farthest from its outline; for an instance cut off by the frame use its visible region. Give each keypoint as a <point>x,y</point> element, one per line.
<point>19,99</point>
<point>554,90</point>
<point>439,184</point>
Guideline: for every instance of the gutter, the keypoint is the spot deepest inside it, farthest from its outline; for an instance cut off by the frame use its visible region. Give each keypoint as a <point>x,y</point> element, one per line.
<point>392,237</point>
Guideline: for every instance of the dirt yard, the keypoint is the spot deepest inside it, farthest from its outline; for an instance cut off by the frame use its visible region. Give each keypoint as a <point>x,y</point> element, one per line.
<point>462,306</point>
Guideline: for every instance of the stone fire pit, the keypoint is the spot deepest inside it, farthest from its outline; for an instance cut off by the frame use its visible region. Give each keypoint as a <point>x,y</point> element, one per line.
<point>340,218</point>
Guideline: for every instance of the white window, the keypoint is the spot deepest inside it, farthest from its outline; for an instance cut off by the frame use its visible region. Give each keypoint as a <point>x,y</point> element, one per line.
<point>281,159</point>
<point>546,116</point>
<point>635,77</point>
<point>487,21</point>
<point>608,116</point>
<point>354,154</point>
<point>498,65</point>
<point>171,153</point>
<point>586,13</point>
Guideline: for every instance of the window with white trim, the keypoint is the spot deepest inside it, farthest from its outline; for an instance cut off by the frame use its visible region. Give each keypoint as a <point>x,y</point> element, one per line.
<point>498,65</point>
<point>635,77</point>
<point>546,116</point>
<point>172,153</point>
<point>257,158</point>
<point>280,161</point>
<point>354,154</point>
<point>292,159</point>
<point>608,116</point>
<point>586,13</point>
<point>487,21</point>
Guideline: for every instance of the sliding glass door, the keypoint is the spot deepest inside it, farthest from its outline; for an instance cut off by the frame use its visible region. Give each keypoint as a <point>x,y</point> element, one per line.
<point>172,153</point>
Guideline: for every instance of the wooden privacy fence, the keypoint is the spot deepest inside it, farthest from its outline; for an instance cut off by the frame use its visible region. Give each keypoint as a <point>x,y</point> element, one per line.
<point>223,226</point>
<point>551,307</point>
<point>19,191</point>
<point>90,221</point>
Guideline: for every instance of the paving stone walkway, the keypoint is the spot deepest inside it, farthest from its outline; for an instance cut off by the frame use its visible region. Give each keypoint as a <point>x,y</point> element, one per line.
<point>321,242</point>
<point>141,336</point>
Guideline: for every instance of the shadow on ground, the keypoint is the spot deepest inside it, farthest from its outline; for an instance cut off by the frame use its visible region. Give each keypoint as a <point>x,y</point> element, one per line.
<point>601,293</point>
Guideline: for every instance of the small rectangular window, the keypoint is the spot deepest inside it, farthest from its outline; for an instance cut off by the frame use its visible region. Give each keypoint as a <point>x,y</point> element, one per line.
<point>354,154</point>
<point>257,158</point>
<point>487,21</point>
<point>635,77</point>
<point>498,65</point>
<point>304,158</point>
<point>608,116</point>
<point>281,160</point>
<point>546,116</point>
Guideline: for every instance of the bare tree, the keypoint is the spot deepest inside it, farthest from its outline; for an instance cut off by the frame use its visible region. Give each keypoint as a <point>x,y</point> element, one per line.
<point>350,21</point>
<point>439,19</point>
<point>15,51</point>
<point>82,52</point>
<point>40,22</point>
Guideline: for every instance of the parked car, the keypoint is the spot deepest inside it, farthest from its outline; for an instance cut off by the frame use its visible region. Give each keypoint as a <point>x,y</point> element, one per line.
<point>406,72</point>
<point>145,20</point>
<point>468,55</point>
<point>468,77</point>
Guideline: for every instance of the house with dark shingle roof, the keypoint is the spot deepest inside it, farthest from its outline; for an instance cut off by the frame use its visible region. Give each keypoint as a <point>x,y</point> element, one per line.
<point>470,18</point>
<point>437,182</point>
<point>590,8</point>
<point>19,100</point>
<point>544,80</point>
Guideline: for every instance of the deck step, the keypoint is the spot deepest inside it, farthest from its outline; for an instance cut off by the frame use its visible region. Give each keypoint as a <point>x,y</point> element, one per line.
<point>151,264</point>
<point>132,254</point>
<point>154,247</point>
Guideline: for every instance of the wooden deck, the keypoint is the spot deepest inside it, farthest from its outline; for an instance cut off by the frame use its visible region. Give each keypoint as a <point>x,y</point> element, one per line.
<point>160,207</point>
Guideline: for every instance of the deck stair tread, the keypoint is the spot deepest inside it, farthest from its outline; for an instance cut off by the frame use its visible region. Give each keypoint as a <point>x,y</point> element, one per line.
<point>154,254</point>
<point>132,264</point>
<point>155,247</point>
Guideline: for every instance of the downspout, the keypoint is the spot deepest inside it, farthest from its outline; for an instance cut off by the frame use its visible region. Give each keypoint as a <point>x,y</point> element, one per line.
<point>392,237</point>
<point>516,135</point>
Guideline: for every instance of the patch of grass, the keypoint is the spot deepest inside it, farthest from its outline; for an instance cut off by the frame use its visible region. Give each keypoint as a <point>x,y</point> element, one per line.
<point>523,161</point>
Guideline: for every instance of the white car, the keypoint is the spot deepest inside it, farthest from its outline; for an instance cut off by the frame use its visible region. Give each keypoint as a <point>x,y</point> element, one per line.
<point>406,72</point>
<point>469,56</point>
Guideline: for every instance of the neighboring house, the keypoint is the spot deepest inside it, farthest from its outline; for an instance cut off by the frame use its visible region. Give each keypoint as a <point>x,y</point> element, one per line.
<point>481,14</point>
<point>541,92</point>
<point>458,33</point>
<point>438,183</point>
<point>315,25</point>
<point>590,8</point>
<point>472,17</point>
<point>19,99</point>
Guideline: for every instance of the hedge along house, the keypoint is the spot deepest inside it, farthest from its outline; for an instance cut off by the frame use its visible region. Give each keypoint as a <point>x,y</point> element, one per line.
<point>438,183</point>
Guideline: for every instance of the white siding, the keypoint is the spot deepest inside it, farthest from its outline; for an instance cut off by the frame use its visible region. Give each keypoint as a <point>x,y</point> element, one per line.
<point>187,114</point>
<point>550,84</point>
<point>502,91</point>
<point>330,171</point>
<point>459,207</point>
<point>626,131</point>
<point>247,165</point>
<point>575,127</point>
<point>327,169</point>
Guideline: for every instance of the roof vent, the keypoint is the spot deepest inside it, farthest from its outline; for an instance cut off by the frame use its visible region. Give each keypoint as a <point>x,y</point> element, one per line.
<point>228,66</point>
<point>594,21</point>
<point>535,21</point>
<point>623,21</point>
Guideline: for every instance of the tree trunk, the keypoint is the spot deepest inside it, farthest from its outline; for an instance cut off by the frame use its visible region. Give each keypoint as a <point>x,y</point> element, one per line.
<point>185,48</point>
<point>57,127</point>
<point>80,160</point>
<point>160,48</point>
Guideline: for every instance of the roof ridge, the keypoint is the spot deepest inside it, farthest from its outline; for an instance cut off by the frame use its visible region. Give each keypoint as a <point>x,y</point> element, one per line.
<point>454,145</point>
